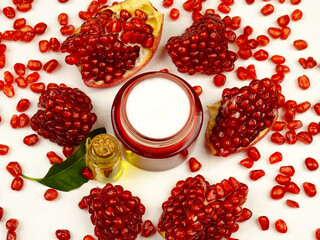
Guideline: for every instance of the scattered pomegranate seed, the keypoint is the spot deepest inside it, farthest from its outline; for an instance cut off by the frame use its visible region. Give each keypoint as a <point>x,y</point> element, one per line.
<point>277,192</point>
<point>17,184</point>
<point>87,173</point>
<point>14,169</point>
<point>292,187</point>
<point>219,80</point>
<point>267,9</point>
<point>54,44</point>
<point>223,8</point>
<point>50,194</point>
<point>19,23</point>
<point>148,229</point>
<point>295,2</point>
<point>292,204</point>
<point>309,189</point>
<point>313,128</point>
<point>67,30</point>
<point>11,235</point>
<point>9,12</point>
<point>12,224</point>
<point>24,7</point>
<point>317,234</point>
<point>21,82</point>
<point>31,139</point>
<point>1,213</point>
<point>8,90</point>
<point>261,55</point>
<point>197,89</point>
<point>275,157</point>
<point>277,138</point>
<point>63,234</point>
<point>174,14</point>
<point>33,77</point>
<point>44,46</point>
<point>54,158</point>
<point>263,40</point>
<point>4,149</point>
<point>281,226</point>
<point>302,107</point>
<point>24,120</point>
<point>311,164</point>
<point>303,82</point>
<point>264,223</point>
<point>84,15</point>
<point>8,77</point>
<point>245,215</point>
<point>278,126</point>
<point>51,66</point>
<point>253,153</point>
<point>167,3</point>
<point>14,121</point>
<point>287,170</point>
<point>194,165</point>
<point>256,174</point>
<point>296,124</point>
<point>247,162</point>
<point>300,44</point>
<point>2,60</point>
<point>304,137</point>
<point>88,237</point>
<point>282,179</point>
<point>274,32</point>
<point>40,28</point>
<point>296,15</point>
<point>63,19</point>
<point>23,105</point>
<point>277,59</point>
<point>20,69</point>
<point>283,20</point>
<point>37,87</point>
<point>67,151</point>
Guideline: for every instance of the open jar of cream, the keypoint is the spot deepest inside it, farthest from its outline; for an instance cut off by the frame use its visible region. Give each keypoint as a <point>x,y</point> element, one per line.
<point>156,116</point>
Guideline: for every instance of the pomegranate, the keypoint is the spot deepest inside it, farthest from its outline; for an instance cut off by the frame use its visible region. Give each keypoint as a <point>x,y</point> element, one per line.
<point>202,47</point>
<point>196,210</point>
<point>115,213</point>
<point>116,43</point>
<point>242,117</point>
<point>64,115</point>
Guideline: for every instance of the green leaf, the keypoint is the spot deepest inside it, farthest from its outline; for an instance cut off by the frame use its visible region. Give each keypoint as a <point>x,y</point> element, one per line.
<point>66,176</point>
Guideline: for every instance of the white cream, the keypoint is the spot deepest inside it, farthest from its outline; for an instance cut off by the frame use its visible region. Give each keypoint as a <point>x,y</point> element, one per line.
<point>158,107</point>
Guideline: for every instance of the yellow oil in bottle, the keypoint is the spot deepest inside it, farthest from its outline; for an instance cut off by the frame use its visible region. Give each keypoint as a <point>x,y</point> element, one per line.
<point>104,157</point>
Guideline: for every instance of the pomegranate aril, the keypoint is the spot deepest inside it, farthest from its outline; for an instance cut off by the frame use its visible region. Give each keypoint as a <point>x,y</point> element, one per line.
<point>8,77</point>
<point>50,194</point>
<point>14,169</point>
<point>278,126</point>
<point>51,66</point>
<point>282,69</point>
<point>296,124</point>
<point>194,165</point>
<point>54,44</point>
<point>289,115</point>
<point>63,19</point>
<point>282,179</point>
<point>296,15</point>
<point>87,173</point>
<point>300,44</point>
<point>67,30</point>
<point>313,128</point>
<point>14,121</point>
<point>54,158</point>
<point>261,55</point>
<point>303,82</point>
<point>20,69</point>
<point>44,46</point>
<point>88,237</point>
<point>247,162</point>
<point>263,40</point>
<point>34,65</point>
<point>33,77</point>
<point>275,157</point>
<point>292,204</point>
<point>24,7</point>
<point>84,15</point>
<point>295,2</point>
<point>291,137</point>
<point>292,187</point>
<point>304,137</point>
<point>67,151</point>
<point>317,234</point>
<point>264,223</point>
<point>11,235</point>
<point>219,80</point>
<point>31,139</point>
<point>1,213</point>
<point>93,7</point>
<point>281,226</point>
<point>311,164</point>
<point>223,8</point>
<point>247,30</point>
<point>256,174</point>
<point>277,138</point>
<point>9,12</point>
<point>148,229</point>
<point>8,90</point>
<point>24,120</point>
<point>17,184</point>
<point>251,72</point>
<point>277,59</point>
<point>309,189</point>
<point>40,28</point>
<point>302,107</point>
<point>245,215</point>
<point>63,234</point>
<point>19,23</point>
<point>174,14</point>
<point>21,82</point>
<point>283,20</point>
<point>303,63</point>
<point>277,192</point>
<point>316,108</point>
<point>37,87</point>
<point>2,60</point>
<point>267,9</point>
<point>253,153</point>
<point>274,32</point>
<point>287,170</point>
<point>12,224</point>
<point>197,89</point>
<point>167,3</point>
<point>4,149</point>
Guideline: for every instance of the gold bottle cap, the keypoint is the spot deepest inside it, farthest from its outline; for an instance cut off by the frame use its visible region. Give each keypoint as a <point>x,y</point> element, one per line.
<point>104,146</point>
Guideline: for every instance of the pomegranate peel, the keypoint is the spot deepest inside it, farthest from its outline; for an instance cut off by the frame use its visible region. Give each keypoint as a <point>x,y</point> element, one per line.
<point>103,78</point>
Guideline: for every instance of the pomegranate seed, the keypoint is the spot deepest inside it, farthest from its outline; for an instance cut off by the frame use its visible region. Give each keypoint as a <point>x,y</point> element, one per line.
<point>263,40</point>
<point>274,32</point>
<point>174,14</point>
<point>219,80</point>
<point>44,46</point>
<point>17,184</point>
<point>8,77</point>
<point>4,149</point>
<point>63,19</point>
<point>296,15</point>
<point>287,170</point>
<point>277,78</point>
<point>264,223</point>
<point>317,234</point>
<point>37,87</point>
<point>235,22</point>
<point>302,107</point>
<point>278,126</point>
<point>303,82</point>
<point>2,60</point>
<point>54,158</point>
<point>87,173</point>
<point>256,174</point>
<point>242,73</point>
<point>275,157</point>
<point>289,115</point>
<point>277,59</point>
<point>19,23</point>
<point>316,108</point>
<point>20,69</point>
<point>247,162</point>
<point>285,32</point>
<point>253,153</point>
<point>277,138</point>
<point>283,20</point>
<point>54,44</point>
<point>24,120</point>
<point>305,137</point>
<point>292,204</point>
<point>67,151</point>
<point>148,229</point>
<point>15,122</point>
<point>51,65</point>
<point>261,55</point>
<point>50,194</point>
<point>300,44</point>
<point>24,7</point>
<point>194,165</point>
<point>167,3</point>
<point>63,1</point>
<point>244,53</point>
<point>1,213</point>
<point>198,90</point>
<point>296,124</point>
<point>11,235</point>
<point>63,234</point>
<point>34,65</point>
<point>311,164</point>
<point>31,139</point>
<point>282,179</point>
<point>88,237</point>
<point>23,105</point>
<point>281,226</point>
<point>9,12</point>
<point>313,128</point>
<point>309,189</point>
<point>247,30</point>
<point>303,63</point>
<point>197,15</point>
<point>8,90</point>
<point>21,82</point>
<point>267,9</point>
<point>3,48</point>
<point>84,15</point>
<point>291,137</point>
<point>223,8</point>
<point>251,72</point>
<point>14,169</point>
<point>12,224</point>
<point>245,215</point>
<point>295,2</point>
<point>277,192</point>
<point>67,30</point>
<point>40,28</point>
<point>33,77</point>
<point>311,63</point>
<point>282,69</point>
<point>292,187</point>
<point>94,6</point>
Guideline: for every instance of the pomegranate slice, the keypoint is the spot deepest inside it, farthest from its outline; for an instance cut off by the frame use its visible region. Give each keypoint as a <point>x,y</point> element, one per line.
<point>116,43</point>
<point>242,117</point>
<point>196,210</point>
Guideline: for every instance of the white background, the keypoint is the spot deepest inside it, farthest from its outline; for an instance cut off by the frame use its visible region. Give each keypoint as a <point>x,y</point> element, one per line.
<point>39,218</point>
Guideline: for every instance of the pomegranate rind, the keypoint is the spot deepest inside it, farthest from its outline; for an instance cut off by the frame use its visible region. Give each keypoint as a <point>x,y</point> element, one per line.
<point>214,109</point>
<point>155,19</point>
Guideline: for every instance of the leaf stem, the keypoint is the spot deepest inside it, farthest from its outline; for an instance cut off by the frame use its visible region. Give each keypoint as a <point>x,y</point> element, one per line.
<point>30,178</point>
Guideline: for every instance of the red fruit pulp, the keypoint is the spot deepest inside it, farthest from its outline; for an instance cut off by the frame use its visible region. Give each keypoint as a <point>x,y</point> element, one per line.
<point>281,226</point>
<point>148,229</point>
<point>264,223</point>
<point>51,194</point>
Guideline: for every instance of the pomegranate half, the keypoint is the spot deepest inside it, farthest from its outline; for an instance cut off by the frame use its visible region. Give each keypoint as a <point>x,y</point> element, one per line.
<point>115,43</point>
<point>242,117</point>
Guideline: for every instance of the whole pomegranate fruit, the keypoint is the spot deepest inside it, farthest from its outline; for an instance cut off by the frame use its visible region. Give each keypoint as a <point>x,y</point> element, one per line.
<point>64,115</point>
<point>116,43</point>
<point>115,213</point>
<point>242,117</point>
<point>202,47</point>
<point>196,210</point>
